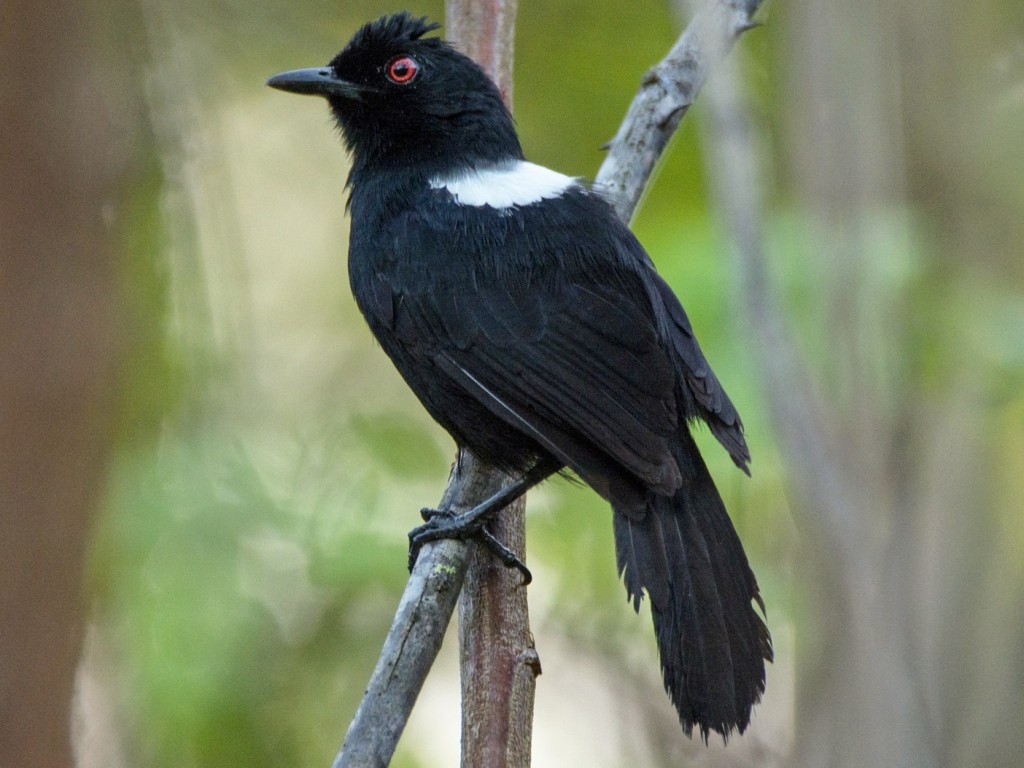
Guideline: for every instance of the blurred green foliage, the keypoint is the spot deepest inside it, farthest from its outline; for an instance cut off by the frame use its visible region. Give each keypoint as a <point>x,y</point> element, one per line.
<point>253,545</point>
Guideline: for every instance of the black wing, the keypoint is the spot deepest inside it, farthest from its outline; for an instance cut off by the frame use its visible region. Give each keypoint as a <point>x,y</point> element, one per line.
<point>574,341</point>
<point>581,369</point>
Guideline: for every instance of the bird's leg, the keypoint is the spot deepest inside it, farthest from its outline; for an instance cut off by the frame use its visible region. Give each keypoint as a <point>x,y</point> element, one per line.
<point>445,524</point>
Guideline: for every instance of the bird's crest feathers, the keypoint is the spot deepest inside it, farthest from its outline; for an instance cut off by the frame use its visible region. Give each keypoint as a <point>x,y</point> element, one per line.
<point>389,30</point>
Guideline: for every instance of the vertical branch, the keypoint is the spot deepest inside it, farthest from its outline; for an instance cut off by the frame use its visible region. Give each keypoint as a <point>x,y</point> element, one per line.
<point>484,30</point>
<point>498,662</point>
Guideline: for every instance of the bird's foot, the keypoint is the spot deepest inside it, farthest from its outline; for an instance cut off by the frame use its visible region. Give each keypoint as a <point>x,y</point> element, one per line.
<point>444,524</point>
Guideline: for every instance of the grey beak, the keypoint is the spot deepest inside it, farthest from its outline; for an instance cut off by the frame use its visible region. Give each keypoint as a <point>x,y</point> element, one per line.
<point>315,81</point>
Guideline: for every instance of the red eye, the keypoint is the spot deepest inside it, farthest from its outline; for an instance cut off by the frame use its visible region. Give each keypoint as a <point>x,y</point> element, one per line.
<point>402,69</point>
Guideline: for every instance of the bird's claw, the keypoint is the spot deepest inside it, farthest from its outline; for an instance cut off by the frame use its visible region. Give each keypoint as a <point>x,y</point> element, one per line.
<point>444,524</point>
<point>506,555</point>
<point>429,513</point>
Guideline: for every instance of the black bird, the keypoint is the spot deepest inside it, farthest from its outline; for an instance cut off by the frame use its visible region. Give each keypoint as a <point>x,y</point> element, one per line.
<point>534,328</point>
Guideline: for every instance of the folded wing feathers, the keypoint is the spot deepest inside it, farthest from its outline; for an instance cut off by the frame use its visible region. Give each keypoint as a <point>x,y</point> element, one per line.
<point>716,408</point>
<point>622,402</point>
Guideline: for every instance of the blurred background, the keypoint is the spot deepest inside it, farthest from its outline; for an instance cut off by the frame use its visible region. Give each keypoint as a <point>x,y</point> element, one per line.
<point>193,414</point>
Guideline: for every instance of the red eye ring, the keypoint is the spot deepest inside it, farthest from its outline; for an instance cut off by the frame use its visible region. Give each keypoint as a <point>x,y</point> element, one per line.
<point>401,70</point>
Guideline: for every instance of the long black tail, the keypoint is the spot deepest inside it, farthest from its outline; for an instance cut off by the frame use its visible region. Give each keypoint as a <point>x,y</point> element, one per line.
<point>684,552</point>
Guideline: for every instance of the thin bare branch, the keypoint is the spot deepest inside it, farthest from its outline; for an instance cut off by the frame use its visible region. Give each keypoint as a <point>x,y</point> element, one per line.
<point>666,93</point>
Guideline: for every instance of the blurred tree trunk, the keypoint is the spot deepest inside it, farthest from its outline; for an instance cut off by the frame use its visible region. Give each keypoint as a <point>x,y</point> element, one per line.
<point>907,162</point>
<point>58,341</point>
<point>886,116</point>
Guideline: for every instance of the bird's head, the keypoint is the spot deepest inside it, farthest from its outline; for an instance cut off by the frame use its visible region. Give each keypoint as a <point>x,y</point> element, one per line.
<point>405,100</point>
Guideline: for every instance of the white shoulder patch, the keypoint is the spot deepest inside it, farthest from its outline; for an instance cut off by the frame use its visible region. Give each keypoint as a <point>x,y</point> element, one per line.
<point>504,186</point>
